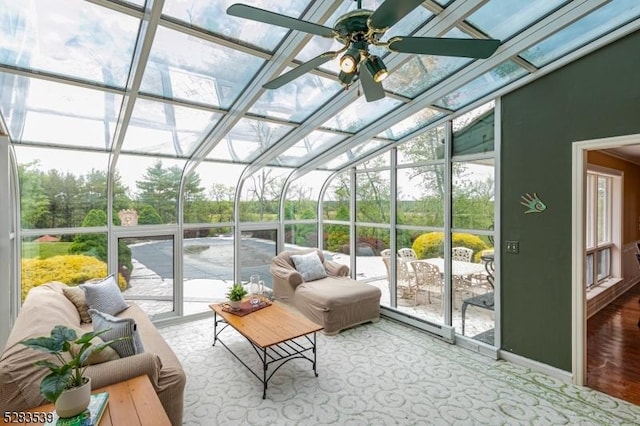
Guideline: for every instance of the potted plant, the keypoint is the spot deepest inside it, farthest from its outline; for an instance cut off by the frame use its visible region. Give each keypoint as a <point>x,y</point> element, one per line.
<point>66,385</point>
<point>235,295</point>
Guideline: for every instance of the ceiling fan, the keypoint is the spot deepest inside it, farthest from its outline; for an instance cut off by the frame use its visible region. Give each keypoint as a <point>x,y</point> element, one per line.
<point>358,30</point>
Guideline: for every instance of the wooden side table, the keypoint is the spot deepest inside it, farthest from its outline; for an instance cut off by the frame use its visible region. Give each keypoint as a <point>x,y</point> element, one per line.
<point>133,402</point>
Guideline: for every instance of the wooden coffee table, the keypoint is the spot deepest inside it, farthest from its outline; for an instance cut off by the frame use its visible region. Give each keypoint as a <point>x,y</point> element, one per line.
<point>277,334</point>
<point>132,402</point>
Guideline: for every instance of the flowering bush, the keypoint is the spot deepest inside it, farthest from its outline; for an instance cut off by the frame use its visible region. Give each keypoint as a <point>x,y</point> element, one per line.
<point>69,269</point>
<point>431,244</point>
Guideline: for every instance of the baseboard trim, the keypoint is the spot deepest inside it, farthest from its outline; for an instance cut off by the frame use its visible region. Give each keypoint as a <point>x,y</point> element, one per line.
<point>564,376</point>
<point>440,331</point>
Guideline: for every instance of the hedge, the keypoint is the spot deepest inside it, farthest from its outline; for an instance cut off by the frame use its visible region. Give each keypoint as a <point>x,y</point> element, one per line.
<point>69,269</point>
<point>431,244</point>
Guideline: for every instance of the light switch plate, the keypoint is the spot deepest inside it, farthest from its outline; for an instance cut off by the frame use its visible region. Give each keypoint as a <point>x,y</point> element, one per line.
<point>512,246</point>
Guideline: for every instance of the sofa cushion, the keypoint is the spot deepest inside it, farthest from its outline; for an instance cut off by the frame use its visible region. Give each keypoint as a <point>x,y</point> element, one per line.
<point>118,327</point>
<point>105,296</point>
<point>309,266</point>
<point>77,297</point>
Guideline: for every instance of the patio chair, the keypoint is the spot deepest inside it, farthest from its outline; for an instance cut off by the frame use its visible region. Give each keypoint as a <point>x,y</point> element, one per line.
<point>405,279</point>
<point>407,254</point>
<point>427,278</point>
<point>462,254</point>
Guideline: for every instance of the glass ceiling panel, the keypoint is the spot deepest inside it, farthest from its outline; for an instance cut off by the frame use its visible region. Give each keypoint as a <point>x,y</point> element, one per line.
<point>312,145</point>
<point>502,19</point>
<point>360,113</point>
<point>213,17</point>
<point>602,21</point>
<point>296,100</point>
<point>406,26</point>
<point>498,77</point>
<point>419,119</point>
<point>68,37</point>
<point>248,139</point>
<point>45,112</point>
<point>423,71</point>
<point>163,128</point>
<point>354,154</point>
<point>191,69</point>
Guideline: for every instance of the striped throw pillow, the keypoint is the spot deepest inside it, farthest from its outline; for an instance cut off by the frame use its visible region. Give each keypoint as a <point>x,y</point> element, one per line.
<point>118,327</point>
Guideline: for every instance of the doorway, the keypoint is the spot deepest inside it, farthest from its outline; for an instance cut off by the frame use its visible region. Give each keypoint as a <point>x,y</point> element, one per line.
<point>579,244</point>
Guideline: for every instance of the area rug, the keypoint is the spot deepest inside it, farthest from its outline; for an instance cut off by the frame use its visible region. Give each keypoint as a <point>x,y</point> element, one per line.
<point>379,374</point>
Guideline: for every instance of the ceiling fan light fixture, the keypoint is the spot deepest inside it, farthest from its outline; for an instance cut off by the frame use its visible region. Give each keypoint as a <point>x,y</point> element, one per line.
<point>345,78</point>
<point>377,68</point>
<point>349,61</point>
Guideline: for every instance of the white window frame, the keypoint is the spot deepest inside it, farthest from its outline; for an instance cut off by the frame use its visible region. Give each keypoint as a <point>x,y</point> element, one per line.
<point>611,246</point>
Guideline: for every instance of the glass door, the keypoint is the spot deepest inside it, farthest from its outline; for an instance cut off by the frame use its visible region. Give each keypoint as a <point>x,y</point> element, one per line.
<point>147,263</point>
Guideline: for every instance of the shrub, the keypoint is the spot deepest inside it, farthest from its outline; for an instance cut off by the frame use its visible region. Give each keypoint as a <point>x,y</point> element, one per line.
<point>149,216</point>
<point>335,239</point>
<point>69,269</point>
<point>95,245</point>
<point>431,244</point>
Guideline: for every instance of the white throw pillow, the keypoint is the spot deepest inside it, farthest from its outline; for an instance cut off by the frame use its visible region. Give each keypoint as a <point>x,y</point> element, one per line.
<point>309,266</point>
<point>118,327</point>
<point>105,296</point>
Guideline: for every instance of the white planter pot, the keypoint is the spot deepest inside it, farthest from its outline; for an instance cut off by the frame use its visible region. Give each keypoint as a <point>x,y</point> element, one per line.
<point>74,401</point>
<point>235,304</point>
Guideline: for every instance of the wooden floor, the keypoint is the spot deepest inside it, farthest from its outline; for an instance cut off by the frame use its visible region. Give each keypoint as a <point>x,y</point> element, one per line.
<point>613,348</point>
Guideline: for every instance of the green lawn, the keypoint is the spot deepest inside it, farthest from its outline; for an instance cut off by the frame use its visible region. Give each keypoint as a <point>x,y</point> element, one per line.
<point>31,249</point>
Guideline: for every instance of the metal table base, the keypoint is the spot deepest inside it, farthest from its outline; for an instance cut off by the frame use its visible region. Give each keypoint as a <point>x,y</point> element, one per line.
<point>278,354</point>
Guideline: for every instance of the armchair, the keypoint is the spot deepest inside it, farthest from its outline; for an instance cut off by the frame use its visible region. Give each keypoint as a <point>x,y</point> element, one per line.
<point>335,301</point>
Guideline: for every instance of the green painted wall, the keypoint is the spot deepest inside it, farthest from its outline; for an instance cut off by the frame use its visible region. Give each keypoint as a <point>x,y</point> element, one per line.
<point>595,97</point>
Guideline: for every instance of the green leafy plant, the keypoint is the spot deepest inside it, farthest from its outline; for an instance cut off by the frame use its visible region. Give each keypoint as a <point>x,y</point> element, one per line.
<point>236,293</point>
<point>68,373</point>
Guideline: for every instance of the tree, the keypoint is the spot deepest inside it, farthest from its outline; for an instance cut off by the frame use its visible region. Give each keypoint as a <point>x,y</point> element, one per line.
<point>373,193</point>
<point>159,187</point>
<point>34,203</point>
<point>149,216</point>
<point>222,205</point>
<point>264,188</point>
<point>95,244</point>
<point>298,204</point>
<point>94,192</point>
<point>54,199</point>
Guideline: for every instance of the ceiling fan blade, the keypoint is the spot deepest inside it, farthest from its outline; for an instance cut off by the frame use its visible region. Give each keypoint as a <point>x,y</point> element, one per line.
<point>261,15</point>
<point>468,48</point>
<point>299,70</point>
<point>372,90</point>
<point>390,12</point>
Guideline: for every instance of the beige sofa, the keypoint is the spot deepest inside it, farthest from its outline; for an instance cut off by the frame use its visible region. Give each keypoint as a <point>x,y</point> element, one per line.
<point>45,307</point>
<point>336,301</point>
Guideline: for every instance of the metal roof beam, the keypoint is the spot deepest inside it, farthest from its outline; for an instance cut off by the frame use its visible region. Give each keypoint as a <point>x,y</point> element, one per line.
<point>537,32</point>
<point>290,46</point>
